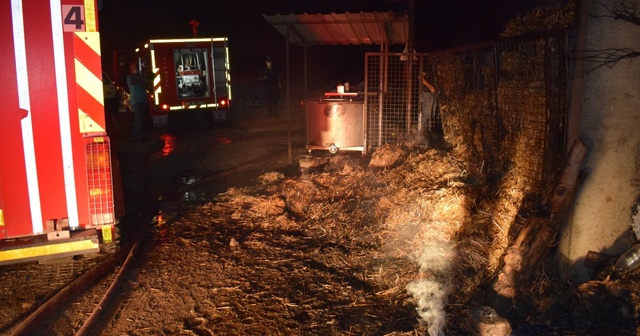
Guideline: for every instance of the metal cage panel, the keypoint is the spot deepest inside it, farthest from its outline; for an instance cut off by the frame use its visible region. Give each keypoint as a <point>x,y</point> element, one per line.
<point>505,102</point>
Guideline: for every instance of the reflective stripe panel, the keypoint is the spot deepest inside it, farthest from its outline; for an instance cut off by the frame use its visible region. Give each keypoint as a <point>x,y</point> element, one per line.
<point>90,16</point>
<point>68,248</point>
<point>192,107</point>
<point>228,72</point>
<point>205,39</point>
<point>63,115</point>
<point>88,70</point>
<point>157,85</point>
<point>26,123</point>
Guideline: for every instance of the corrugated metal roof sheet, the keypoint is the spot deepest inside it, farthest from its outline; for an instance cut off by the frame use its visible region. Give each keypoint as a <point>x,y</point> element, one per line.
<point>347,28</point>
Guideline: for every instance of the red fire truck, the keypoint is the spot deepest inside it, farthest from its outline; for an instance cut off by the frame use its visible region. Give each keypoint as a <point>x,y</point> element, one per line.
<point>59,183</point>
<point>190,75</point>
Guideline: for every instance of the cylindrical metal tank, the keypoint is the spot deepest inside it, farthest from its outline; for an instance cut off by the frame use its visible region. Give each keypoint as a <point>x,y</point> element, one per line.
<point>335,124</point>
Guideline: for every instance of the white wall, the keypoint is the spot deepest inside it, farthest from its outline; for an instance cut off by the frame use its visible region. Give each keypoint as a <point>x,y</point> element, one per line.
<point>609,123</point>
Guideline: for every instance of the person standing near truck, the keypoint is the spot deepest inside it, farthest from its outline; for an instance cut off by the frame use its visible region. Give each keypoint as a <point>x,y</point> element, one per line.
<point>138,99</point>
<point>270,78</point>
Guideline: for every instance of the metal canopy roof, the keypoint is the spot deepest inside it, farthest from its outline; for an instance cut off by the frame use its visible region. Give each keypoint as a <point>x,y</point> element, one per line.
<point>375,28</point>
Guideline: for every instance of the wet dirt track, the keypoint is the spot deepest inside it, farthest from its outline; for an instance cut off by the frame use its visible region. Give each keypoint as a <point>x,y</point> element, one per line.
<point>173,158</point>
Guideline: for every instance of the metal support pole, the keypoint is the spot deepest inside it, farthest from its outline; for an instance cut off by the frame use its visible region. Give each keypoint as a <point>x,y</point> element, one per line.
<point>288,98</point>
<point>306,64</point>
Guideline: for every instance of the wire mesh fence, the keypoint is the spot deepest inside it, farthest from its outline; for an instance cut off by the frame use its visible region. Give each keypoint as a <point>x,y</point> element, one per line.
<point>503,102</point>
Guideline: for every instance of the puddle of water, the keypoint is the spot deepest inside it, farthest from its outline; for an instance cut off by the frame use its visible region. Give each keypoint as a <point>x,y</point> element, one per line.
<point>191,179</point>
<point>191,195</point>
<point>169,144</point>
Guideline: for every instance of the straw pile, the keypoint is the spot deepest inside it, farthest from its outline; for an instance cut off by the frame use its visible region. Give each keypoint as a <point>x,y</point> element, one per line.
<point>388,247</point>
<point>541,19</point>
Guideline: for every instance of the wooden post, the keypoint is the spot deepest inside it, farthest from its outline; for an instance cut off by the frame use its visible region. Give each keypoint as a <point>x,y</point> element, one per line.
<point>539,233</point>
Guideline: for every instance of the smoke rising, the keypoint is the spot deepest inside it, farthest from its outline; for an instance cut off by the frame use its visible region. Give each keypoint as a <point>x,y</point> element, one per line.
<point>431,290</point>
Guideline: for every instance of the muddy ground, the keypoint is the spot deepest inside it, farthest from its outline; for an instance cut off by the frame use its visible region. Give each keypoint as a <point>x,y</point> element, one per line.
<point>389,244</point>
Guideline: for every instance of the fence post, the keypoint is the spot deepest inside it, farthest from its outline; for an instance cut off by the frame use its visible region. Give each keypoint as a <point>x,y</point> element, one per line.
<point>496,83</point>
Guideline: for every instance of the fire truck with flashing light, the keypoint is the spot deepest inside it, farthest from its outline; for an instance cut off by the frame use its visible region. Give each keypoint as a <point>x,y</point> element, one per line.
<point>60,191</point>
<point>189,75</point>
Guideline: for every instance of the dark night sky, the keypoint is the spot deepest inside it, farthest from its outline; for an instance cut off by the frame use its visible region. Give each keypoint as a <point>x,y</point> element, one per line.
<point>438,25</point>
